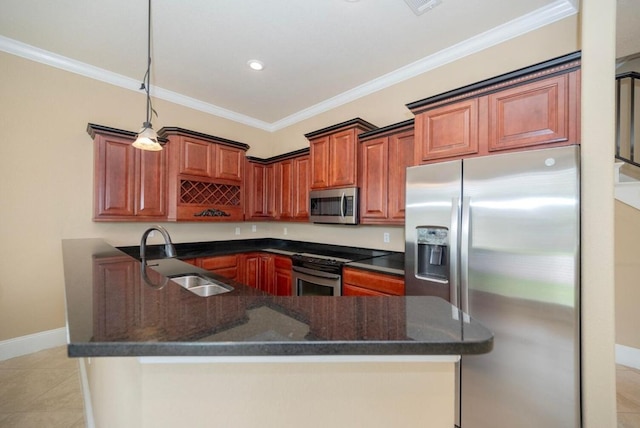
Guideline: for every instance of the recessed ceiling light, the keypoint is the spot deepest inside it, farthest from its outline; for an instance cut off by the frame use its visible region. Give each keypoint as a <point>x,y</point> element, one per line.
<point>255,64</point>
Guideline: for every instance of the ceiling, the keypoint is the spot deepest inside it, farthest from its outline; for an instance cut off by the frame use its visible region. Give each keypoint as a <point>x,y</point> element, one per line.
<point>317,53</point>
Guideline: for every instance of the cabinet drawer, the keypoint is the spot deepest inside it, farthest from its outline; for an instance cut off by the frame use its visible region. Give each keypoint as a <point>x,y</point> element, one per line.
<point>352,290</point>
<point>218,262</point>
<point>388,284</point>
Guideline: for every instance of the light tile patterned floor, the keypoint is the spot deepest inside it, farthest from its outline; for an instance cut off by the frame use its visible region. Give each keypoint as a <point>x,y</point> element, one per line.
<point>628,397</point>
<point>43,390</point>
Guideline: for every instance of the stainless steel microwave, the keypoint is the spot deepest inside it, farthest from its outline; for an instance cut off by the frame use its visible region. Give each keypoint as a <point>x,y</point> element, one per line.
<point>335,206</point>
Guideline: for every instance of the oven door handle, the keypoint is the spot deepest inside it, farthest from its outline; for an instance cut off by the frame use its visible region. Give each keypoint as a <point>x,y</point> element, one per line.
<point>316,273</point>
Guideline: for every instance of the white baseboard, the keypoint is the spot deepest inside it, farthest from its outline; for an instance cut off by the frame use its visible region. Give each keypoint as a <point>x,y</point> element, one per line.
<point>32,343</point>
<point>628,356</point>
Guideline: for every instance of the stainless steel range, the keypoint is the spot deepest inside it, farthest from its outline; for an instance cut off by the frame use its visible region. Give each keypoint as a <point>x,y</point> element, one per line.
<point>315,275</point>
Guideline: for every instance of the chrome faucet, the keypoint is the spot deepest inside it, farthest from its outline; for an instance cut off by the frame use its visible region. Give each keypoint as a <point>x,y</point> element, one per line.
<point>169,249</point>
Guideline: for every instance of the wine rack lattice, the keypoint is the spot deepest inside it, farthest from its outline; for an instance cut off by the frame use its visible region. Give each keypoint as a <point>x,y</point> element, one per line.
<point>203,193</point>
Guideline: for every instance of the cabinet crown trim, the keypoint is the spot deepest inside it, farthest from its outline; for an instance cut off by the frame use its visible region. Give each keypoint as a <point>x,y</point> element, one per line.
<point>301,152</point>
<point>357,122</point>
<point>173,130</point>
<point>559,65</point>
<point>386,130</point>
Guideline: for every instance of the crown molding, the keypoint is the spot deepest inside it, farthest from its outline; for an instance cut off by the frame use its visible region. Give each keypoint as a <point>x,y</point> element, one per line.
<point>546,15</point>
<point>549,14</point>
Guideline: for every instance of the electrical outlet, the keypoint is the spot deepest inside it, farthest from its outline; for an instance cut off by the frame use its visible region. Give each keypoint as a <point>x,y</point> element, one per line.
<point>237,231</point>
<point>285,230</point>
<point>385,237</point>
<point>253,228</point>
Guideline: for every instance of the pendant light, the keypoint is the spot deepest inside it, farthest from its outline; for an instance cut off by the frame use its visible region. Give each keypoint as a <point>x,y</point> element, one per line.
<point>147,137</point>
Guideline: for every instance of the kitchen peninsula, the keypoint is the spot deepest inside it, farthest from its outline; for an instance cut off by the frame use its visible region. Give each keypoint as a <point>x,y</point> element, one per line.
<point>161,338</point>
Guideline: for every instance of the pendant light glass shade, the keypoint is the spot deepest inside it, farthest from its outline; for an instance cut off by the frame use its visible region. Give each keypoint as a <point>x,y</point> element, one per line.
<point>147,139</point>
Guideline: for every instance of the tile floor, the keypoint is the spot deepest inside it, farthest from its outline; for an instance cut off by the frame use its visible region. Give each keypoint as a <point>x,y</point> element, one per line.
<point>43,390</point>
<point>628,397</point>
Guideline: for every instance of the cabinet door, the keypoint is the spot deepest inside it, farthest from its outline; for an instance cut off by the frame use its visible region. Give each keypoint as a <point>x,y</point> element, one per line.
<point>114,177</point>
<point>447,131</point>
<point>301,195</point>
<point>375,172</point>
<point>282,276</point>
<point>196,157</point>
<point>250,269</point>
<point>401,150</point>
<point>343,161</point>
<point>531,114</point>
<point>284,189</point>
<point>229,163</point>
<point>261,197</point>
<point>266,281</point>
<point>151,183</point>
<point>319,151</point>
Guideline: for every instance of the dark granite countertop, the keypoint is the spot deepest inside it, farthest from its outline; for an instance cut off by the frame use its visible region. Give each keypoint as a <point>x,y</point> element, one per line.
<point>117,308</point>
<point>392,263</point>
<point>203,249</point>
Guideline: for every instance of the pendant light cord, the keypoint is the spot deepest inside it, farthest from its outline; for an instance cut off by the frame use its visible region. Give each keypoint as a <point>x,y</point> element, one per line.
<point>146,81</point>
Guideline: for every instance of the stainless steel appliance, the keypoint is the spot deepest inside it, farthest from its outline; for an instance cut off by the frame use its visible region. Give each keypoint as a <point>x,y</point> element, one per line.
<point>500,237</point>
<point>336,206</point>
<point>314,275</point>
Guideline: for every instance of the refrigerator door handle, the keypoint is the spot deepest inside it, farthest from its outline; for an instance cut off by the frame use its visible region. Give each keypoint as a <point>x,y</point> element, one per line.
<point>454,239</point>
<point>464,254</point>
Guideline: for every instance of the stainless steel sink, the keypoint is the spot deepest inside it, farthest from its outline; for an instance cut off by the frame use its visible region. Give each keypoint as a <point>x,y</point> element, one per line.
<point>200,285</point>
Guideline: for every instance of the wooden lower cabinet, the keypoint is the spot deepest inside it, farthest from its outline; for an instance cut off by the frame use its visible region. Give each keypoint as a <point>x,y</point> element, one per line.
<point>282,276</point>
<point>257,271</point>
<point>357,282</point>
<point>226,266</point>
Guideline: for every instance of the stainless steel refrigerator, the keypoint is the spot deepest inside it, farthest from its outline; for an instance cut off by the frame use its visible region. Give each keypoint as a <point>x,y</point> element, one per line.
<point>499,236</point>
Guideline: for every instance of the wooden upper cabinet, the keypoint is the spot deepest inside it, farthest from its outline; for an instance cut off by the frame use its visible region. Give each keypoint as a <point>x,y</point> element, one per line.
<point>319,149</point>
<point>229,161</point>
<point>206,159</point>
<point>205,177</point>
<point>284,189</point>
<point>451,130</point>
<point>301,177</point>
<point>129,184</point>
<point>151,184</point>
<point>385,157</point>
<point>292,188</point>
<point>196,157</point>
<point>334,154</point>
<point>375,180</point>
<point>531,114</point>
<point>343,160</point>
<point>261,203</point>
<point>401,156</point>
<point>534,107</point>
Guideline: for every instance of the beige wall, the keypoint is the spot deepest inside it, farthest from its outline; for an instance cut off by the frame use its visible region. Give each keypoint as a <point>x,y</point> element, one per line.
<point>627,271</point>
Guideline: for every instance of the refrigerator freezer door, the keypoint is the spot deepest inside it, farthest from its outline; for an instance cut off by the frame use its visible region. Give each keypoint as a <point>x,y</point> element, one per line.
<point>431,229</point>
<point>523,284</point>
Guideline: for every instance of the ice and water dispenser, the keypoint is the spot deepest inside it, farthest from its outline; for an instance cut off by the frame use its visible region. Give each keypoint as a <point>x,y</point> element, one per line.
<point>433,253</point>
